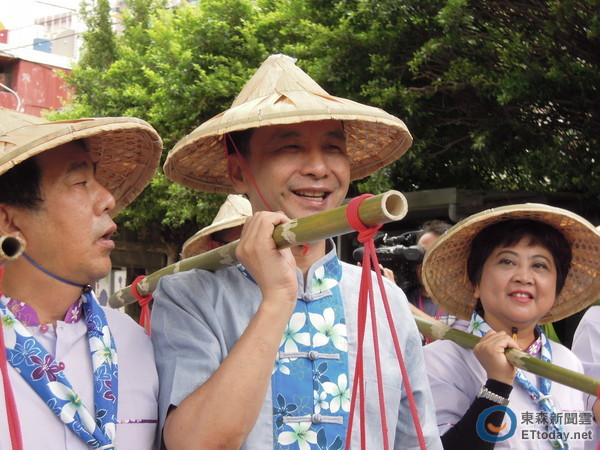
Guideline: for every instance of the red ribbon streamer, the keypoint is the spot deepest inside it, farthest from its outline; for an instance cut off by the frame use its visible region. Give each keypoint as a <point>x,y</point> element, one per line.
<point>143,301</point>
<point>367,299</point>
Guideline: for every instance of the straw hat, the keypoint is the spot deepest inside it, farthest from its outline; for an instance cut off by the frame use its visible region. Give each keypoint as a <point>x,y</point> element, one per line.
<point>281,93</point>
<point>126,150</point>
<point>445,264</point>
<point>232,213</point>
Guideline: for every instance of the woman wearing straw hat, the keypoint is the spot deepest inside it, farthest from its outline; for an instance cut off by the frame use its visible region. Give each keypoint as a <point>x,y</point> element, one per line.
<point>509,270</point>
<point>74,375</point>
<point>261,355</point>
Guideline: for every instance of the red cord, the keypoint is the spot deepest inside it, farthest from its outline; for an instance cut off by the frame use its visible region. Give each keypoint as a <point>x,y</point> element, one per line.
<point>14,425</point>
<point>245,167</point>
<point>144,301</point>
<point>247,170</point>
<point>365,235</point>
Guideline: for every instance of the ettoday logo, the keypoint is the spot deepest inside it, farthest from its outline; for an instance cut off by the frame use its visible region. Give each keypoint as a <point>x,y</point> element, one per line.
<point>491,433</point>
<point>579,423</point>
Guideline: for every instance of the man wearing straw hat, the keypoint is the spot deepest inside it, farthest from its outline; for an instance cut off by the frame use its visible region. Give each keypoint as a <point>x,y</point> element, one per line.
<point>263,354</point>
<point>74,375</point>
<point>226,227</point>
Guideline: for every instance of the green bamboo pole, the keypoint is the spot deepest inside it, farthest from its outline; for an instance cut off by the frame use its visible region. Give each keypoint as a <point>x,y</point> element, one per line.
<point>517,358</point>
<point>379,209</point>
<point>11,247</point>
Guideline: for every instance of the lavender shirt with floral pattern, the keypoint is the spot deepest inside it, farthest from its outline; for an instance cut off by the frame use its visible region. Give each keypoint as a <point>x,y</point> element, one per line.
<point>68,343</point>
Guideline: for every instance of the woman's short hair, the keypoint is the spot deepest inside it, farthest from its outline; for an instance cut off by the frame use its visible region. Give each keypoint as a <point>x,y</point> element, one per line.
<point>508,233</point>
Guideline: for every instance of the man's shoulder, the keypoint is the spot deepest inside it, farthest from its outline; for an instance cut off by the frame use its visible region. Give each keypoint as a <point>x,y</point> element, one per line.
<point>195,278</point>
<point>199,274</point>
<point>200,290</point>
<point>121,323</point>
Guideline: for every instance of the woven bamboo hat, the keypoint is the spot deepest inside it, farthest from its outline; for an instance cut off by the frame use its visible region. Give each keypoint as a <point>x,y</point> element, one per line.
<point>445,265</point>
<point>281,93</point>
<point>126,150</point>
<point>233,212</point>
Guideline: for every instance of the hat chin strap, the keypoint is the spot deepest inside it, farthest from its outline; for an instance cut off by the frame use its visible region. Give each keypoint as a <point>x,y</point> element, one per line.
<point>245,168</point>
<point>86,288</point>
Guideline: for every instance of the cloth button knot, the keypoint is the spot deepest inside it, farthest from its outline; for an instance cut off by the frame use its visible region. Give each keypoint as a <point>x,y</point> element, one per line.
<point>317,419</point>
<point>312,355</point>
<point>307,297</point>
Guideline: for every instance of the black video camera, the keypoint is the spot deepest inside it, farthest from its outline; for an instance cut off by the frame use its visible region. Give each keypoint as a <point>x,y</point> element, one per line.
<point>400,254</point>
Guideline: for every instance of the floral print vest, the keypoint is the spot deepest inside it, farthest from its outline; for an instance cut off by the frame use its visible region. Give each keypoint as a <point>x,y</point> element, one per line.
<point>310,381</point>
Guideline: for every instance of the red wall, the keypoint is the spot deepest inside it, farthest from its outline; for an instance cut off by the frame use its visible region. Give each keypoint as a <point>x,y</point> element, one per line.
<point>38,86</point>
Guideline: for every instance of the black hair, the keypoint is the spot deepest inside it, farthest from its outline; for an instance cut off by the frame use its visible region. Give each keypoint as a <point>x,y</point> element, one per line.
<point>21,185</point>
<point>240,140</point>
<point>510,232</point>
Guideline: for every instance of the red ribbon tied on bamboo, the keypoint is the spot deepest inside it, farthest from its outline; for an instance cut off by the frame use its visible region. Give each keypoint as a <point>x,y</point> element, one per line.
<point>367,300</point>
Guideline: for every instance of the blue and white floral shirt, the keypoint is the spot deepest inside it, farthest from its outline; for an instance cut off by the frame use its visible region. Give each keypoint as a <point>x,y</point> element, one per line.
<point>198,316</point>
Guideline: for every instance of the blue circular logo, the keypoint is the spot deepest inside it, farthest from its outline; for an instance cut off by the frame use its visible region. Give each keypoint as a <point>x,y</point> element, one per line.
<point>491,433</point>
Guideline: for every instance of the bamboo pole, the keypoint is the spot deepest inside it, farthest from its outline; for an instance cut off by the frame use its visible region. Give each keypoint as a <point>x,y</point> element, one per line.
<point>11,247</point>
<point>379,209</point>
<point>517,358</point>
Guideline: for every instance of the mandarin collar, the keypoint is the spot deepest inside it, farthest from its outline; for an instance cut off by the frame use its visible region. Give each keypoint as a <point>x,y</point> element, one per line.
<point>28,317</point>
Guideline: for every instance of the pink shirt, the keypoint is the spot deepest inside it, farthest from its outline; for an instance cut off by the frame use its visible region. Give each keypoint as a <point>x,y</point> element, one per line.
<point>67,342</point>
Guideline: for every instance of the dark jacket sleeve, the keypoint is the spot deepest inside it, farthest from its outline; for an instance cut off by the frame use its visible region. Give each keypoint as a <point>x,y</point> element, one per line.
<point>464,434</point>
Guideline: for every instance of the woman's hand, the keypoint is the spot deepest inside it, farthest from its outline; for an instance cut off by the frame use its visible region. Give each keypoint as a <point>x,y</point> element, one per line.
<point>490,354</point>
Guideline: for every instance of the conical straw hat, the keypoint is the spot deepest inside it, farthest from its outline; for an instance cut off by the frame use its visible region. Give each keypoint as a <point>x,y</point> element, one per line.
<point>126,150</point>
<point>281,93</point>
<point>233,212</point>
<point>445,264</point>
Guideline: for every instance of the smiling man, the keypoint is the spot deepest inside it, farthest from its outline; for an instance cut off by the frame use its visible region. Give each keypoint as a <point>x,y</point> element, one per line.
<point>262,354</point>
<point>74,375</point>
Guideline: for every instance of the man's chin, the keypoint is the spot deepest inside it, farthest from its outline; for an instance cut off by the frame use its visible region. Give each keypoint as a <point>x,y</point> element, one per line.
<point>98,273</point>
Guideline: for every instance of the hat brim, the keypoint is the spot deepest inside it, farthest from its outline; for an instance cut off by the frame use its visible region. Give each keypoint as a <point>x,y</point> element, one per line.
<point>374,138</point>
<point>444,269</point>
<point>197,244</point>
<point>126,150</point>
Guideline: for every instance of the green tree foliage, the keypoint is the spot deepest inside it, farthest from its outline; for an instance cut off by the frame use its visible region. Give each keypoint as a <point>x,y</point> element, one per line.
<point>498,94</point>
<point>506,96</point>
